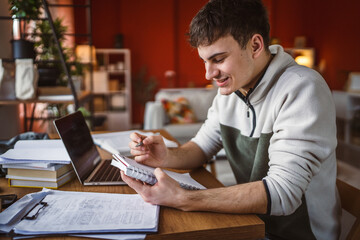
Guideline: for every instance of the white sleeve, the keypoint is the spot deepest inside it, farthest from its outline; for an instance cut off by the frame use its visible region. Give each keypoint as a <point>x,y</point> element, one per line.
<point>304,136</point>
<point>208,137</point>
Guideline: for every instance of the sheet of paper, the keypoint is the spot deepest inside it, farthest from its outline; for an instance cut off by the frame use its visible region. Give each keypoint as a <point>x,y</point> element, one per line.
<point>118,142</point>
<point>111,236</point>
<point>34,151</point>
<point>50,155</point>
<point>43,143</point>
<point>85,212</point>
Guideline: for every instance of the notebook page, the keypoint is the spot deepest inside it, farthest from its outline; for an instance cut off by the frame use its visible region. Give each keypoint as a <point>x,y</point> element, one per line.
<point>49,155</point>
<point>185,179</point>
<point>41,143</point>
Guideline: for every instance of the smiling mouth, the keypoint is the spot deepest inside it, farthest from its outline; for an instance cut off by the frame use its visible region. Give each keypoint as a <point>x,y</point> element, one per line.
<point>222,80</point>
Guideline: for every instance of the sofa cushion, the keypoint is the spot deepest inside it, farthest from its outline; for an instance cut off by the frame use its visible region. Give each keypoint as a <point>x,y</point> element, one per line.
<point>183,132</point>
<point>200,99</point>
<point>179,111</point>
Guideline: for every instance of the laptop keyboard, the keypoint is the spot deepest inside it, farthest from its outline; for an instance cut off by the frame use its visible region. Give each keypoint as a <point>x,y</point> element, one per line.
<point>107,173</point>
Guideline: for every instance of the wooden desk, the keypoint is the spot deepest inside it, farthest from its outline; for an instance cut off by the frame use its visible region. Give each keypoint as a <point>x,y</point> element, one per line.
<point>173,223</point>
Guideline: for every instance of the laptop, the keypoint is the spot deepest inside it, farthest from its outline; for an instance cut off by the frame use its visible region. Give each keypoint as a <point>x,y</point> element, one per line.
<point>85,158</point>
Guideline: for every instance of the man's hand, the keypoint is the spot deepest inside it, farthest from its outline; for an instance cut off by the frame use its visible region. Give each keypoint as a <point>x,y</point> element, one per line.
<point>148,150</point>
<point>166,192</point>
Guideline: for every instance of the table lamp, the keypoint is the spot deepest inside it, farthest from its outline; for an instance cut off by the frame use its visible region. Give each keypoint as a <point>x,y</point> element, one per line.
<point>86,54</point>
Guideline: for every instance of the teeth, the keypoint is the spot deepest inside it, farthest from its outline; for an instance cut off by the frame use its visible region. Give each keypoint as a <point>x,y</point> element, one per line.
<point>222,80</point>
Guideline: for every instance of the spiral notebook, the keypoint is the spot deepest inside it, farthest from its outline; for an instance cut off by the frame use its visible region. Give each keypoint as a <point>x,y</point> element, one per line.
<point>144,173</point>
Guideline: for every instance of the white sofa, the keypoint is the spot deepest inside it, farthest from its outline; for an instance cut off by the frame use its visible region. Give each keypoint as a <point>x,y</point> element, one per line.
<point>200,99</point>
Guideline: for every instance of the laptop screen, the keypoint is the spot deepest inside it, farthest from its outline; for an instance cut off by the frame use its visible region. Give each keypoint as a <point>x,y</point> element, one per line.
<point>79,144</point>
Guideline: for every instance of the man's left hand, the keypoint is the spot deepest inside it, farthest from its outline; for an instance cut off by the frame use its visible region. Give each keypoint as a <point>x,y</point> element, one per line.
<point>166,191</point>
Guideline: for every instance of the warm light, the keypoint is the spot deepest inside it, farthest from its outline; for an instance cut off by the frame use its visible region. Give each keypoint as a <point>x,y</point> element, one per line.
<point>304,60</point>
<point>83,52</point>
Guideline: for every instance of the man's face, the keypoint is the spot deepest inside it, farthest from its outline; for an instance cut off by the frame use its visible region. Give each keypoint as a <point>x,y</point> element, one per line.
<point>228,65</point>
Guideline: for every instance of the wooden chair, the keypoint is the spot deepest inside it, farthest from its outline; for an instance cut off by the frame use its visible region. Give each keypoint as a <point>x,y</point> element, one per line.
<point>350,201</point>
<point>211,164</point>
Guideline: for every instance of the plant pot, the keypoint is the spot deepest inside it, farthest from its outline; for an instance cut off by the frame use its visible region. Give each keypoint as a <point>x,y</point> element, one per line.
<point>48,76</point>
<point>23,49</point>
<point>77,80</point>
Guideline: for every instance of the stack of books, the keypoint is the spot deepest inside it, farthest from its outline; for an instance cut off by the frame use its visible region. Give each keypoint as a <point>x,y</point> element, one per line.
<point>38,175</point>
<point>37,163</point>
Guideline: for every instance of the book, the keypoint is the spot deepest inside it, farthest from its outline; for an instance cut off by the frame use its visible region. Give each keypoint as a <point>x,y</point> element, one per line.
<point>36,165</point>
<point>118,142</point>
<point>52,172</point>
<point>36,183</point>
<point>32,151</point>
<point>145,173</point>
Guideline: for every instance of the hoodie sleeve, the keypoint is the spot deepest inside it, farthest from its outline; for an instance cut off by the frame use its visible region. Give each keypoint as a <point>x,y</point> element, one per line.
<point>304,136</point>
<point>208,137</point>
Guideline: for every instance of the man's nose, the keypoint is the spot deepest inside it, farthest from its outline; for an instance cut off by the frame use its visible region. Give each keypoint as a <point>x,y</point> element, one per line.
<point>211,71</point>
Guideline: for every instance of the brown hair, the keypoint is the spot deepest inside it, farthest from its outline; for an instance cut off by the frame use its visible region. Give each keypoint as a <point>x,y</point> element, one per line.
<point>239,18</point>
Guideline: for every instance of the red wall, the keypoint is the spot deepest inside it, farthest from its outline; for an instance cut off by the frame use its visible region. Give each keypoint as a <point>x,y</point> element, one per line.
<point>155,31</point>
<point>332,27</point>
<point>190,68</point>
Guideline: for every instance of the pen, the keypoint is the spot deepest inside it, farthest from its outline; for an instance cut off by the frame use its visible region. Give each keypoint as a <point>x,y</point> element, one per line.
<point>140,143</point>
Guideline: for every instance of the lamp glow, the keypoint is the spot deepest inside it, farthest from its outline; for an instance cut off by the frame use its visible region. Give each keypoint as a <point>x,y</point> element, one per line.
<point>86,54</point>
<point>304,60</point>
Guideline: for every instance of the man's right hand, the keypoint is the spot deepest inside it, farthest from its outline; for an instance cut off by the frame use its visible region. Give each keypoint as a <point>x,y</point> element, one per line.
<point>151,152</point>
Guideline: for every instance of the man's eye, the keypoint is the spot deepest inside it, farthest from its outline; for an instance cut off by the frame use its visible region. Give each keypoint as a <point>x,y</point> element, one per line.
<point>218,60</point>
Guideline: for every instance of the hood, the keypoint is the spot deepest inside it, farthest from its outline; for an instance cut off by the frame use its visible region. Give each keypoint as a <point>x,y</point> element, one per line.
<point>276,68</point>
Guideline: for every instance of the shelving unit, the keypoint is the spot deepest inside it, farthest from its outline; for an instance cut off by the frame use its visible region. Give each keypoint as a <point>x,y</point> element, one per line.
<point>112,88</point>
<point>77,98</point>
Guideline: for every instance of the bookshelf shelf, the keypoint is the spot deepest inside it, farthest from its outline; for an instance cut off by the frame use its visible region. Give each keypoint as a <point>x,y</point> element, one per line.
<point>112,88</point>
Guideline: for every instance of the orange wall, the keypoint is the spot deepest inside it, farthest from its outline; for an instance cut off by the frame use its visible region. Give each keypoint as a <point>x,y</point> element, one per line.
<point>155,31</point>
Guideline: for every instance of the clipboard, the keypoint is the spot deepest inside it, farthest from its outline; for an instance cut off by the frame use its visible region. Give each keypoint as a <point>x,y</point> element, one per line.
<point>53,212</point>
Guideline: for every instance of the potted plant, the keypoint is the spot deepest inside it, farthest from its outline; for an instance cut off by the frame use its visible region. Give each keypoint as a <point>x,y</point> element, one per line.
<point>47,52</point>
<point>144,89</point>
<point>22,12</point>
<point>76,70</point>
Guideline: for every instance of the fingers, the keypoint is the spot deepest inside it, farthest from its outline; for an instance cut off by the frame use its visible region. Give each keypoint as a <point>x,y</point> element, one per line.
<point>164,192</point>
<point>132,182</point>
<point>137,146</point>
<point>141,157</point>
<point>152,151</point>
<point>162,177</point>
<point>147,140</point>
<point>159,174</point>
<point>136,139</point>
<point>140,144</point>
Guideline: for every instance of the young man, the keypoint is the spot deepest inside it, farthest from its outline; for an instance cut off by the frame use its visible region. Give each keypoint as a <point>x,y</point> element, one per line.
<point>276,121</point>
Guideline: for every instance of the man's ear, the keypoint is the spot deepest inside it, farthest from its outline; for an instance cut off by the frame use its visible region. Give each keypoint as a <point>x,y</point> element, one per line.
<point>257,45</point>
